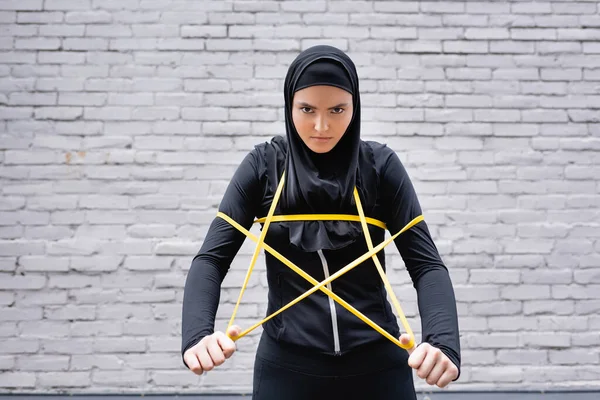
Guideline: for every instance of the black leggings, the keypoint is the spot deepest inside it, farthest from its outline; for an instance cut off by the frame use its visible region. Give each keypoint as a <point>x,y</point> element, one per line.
<point>374,372</point>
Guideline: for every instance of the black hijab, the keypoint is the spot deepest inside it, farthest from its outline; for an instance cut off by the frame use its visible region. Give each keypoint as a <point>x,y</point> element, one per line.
<point>324,183</point>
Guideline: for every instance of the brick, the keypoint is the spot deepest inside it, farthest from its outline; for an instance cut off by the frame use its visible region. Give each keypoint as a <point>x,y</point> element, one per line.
<point>522,357</point>
<point>579,34</point>
<point>100,362</point>
<point>88,17</point>
<point>457,46</point>
<point>558,47</point>
<point>17,380</point>
<point>548,307</point>
<point>496,308</point>
<point>542,340</point>
<point>563,323</point>
<point>22,282</point>
<point>62,30</point>
<point>67,4</point>
<point>8,17</point>
<point>19,346</point>
<point>492,341</point>
<point>43,363</point>
<point>531,8</point>
<point>469,73</point>
<point>573,357</point>
<point>37,43</point>
<point>85,44</point>
<point>64,379</point>
<point>534,34</point>
<point>574,291</point>
<point>510,47</point>
<point>487,8</point>
<point>25,5</point>
<point>120,344</point>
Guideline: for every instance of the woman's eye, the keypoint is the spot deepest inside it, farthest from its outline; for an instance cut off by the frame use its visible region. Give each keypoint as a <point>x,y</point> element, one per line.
<point>305,109</point>
<point>338,110</point>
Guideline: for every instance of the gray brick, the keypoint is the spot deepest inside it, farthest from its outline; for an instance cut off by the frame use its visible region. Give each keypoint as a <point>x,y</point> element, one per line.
<point>19,346</point>
<point>457,46</point>
<point>543,340</point>
<point>469,73</point>
<point>64,379</point>
<point>59,57</point>
<point>573,357</point>
<point>17,57</point>
<point>115,4</point>
<point>100,362</point>
<point>121,344</point>
<point>574,292</point>
<point>24,5</point>
<point>522,357</point>
<point>558,47</point>
<point>20,314</point>
<point>37,43</point>
<point>17,30</point>
<point>85,44</point>
<point>7,362</point>
<point>548,307</point>
<point>67,4</point>
<point>27,99</point>
<point>487,8</point>
<point>403,46</point>
<point>8,17</point>
<point>544,116</point>
<point>496,308</point>
<point>579,34</point>
<point>564,323</point>
<point>88,17</point>
<point>536,34</point>
<point>62,30</point>
<point>492,341</point>
<point>510,47</point>
<point>17,380</point>
<point>43,363</point>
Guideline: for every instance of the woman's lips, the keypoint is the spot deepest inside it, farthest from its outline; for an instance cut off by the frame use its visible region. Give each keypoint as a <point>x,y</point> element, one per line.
<point>320,139</point>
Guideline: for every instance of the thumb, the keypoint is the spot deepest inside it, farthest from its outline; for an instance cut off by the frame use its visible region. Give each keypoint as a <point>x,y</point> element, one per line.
<point>234,331</point>
<point>405,340</point>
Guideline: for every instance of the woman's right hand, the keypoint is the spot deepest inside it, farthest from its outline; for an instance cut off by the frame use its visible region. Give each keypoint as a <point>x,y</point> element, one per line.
<point>211,351</point>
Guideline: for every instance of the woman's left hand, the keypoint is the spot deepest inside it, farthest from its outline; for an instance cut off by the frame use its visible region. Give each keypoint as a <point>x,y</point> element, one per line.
<point>431,363</point>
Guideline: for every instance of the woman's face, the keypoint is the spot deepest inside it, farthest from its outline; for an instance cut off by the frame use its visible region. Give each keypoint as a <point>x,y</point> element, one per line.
<point>321,115</point>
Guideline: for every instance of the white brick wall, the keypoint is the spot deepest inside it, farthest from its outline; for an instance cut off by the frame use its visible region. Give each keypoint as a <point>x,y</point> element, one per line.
<point>121,121</point>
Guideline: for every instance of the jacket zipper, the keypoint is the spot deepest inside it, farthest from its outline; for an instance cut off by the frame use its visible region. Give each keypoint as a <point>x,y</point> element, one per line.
<point>334,322</point>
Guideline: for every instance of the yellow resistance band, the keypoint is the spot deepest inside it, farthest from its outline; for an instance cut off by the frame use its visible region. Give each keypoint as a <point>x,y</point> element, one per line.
<point>322,285</point>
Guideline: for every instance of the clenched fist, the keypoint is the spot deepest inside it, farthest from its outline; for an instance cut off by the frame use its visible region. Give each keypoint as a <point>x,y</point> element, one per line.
<point>211,351</point>
<point>431,364</point>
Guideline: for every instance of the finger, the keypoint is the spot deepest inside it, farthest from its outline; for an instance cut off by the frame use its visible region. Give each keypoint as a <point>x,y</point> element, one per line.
<point>227,345</point>
<point>430,360</point>
<point>405,340</point>
<point>215,352</point>
<point>418,356</point>
<point>192,362</point>
<point>437,371</point>
<point>234,331</point>
<point>204,357</point>
<point>447,377</point>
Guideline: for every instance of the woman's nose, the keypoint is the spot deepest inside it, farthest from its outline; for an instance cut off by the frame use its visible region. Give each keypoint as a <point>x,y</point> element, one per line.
<point>321,124</point>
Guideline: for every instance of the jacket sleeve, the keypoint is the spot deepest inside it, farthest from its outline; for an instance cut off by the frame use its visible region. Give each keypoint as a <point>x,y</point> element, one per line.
<point>436,301</point>
<point>221,244</point>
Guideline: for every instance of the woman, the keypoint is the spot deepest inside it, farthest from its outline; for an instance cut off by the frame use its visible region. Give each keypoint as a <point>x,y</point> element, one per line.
<point>317,348</point>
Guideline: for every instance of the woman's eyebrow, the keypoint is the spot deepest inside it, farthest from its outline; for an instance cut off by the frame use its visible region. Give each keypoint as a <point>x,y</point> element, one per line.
<point>304,104</point>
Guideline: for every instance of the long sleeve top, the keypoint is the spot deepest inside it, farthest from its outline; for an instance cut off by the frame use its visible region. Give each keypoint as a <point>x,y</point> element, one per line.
<point>249,195</point>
